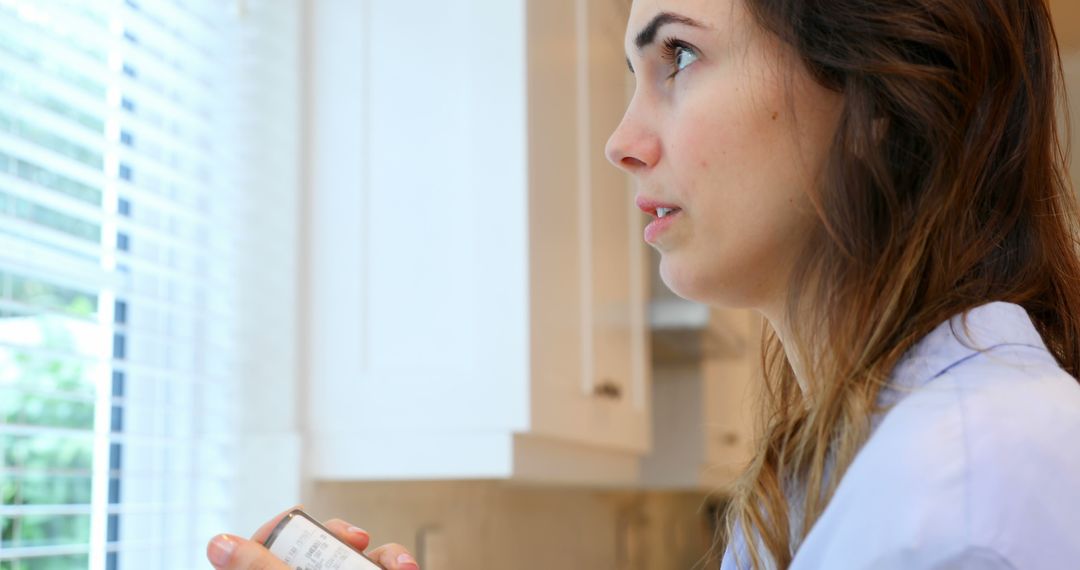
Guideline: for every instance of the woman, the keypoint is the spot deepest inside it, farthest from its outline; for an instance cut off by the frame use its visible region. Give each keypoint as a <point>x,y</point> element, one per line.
<point>883,181</point>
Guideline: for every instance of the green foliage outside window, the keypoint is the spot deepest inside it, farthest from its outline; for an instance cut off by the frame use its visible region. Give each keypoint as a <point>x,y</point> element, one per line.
<point>40,388</point>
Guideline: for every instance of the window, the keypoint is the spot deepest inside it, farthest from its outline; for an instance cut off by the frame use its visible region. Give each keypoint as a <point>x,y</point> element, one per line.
<point>128,194</point>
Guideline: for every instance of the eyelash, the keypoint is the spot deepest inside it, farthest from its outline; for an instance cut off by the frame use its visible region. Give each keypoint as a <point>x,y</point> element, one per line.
<point>670,52</point>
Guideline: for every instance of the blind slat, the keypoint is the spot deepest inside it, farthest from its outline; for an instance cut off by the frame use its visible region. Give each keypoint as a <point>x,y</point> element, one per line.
<point>85,68</point>
<point>203,442</point>
<point>187,279</point>
<point>181,231</point>
<point>154,213</point>
<point>79,179</point>
<point>44,89</point>
<point>200,380</point>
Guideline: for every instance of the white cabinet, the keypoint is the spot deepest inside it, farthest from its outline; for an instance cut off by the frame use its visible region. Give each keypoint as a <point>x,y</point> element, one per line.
<point>476,279</point>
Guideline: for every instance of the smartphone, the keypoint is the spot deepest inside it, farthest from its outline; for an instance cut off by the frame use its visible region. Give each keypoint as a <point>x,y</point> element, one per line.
<point>304,544</point>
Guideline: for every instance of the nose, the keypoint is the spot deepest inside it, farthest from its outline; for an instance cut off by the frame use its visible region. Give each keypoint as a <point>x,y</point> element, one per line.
<point>633,146</point>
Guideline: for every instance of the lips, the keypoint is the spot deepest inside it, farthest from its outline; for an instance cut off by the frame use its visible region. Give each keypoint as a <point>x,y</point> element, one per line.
<point>650,206</point>
<point>660,222</point>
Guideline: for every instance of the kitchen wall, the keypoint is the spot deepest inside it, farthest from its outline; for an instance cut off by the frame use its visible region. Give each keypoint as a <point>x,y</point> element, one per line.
<point>483,525</point>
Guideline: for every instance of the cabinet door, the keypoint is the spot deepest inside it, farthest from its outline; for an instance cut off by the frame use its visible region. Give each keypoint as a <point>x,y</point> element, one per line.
<point>589,270</point>
<point>617,295</point>
<point>418,210</point>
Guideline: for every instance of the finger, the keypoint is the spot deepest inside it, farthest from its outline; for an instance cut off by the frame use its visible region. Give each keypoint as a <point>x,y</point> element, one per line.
<point>393,556</point>
<point>356,537</point>
<point>264,531</point>
<point>228,552</point>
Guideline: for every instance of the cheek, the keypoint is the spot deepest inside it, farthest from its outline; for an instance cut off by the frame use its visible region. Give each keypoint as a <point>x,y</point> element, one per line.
<point>747,203</point>
<point>735,256</point>
<point>736,135</point>
<point>706,132</point>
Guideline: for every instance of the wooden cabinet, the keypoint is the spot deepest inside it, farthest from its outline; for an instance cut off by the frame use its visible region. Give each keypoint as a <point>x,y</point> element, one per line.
<point>587,256</point>
<point>476,279</point>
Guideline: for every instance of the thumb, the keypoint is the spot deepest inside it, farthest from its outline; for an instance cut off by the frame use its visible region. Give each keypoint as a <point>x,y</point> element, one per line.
<point>229,552</point>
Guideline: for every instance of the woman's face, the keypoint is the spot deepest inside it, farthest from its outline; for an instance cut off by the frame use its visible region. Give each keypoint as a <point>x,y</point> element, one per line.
<point>712,130</point>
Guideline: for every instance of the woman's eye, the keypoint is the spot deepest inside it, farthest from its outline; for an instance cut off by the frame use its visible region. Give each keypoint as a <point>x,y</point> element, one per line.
<point>684,57</point>
<point>678,54</point>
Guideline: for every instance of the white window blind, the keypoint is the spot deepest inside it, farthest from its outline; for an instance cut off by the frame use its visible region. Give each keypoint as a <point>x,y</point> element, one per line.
<point>133,182</point>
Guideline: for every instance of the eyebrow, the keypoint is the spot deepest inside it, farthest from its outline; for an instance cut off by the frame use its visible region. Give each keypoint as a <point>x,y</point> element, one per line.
<point>647,35</point>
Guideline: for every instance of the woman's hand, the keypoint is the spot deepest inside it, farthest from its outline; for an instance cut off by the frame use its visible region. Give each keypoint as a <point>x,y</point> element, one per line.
<point>229,552</point>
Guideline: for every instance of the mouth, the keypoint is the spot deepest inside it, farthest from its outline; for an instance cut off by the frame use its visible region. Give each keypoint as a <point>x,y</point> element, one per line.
<point>664,215</point>
<point>657,209</point>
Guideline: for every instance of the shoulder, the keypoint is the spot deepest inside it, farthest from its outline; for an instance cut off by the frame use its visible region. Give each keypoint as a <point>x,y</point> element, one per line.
<point>996,412</point>
<point>1020,422</point>
<point>1011,395</point>
<point>980,459</point>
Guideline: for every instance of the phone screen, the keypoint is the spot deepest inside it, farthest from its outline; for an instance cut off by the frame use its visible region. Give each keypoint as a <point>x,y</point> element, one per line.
<point>304,544</point>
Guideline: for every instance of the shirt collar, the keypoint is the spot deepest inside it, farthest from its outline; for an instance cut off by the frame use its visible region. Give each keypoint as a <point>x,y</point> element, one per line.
<point>990,325</point>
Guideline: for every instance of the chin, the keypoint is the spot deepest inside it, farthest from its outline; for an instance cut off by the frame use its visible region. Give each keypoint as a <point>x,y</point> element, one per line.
<point>723,289</point>
<point>681,280</point>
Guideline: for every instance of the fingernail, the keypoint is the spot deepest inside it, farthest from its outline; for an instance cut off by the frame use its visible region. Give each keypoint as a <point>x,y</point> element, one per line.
<point>357,530</point>
<point>404,559</point>
<point>221,549</point>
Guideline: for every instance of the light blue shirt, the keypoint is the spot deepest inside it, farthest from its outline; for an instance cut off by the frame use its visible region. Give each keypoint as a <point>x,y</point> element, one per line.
<point>976,467</point>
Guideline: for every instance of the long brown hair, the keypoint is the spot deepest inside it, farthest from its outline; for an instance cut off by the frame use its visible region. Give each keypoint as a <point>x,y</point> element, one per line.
<point>946,188</point>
